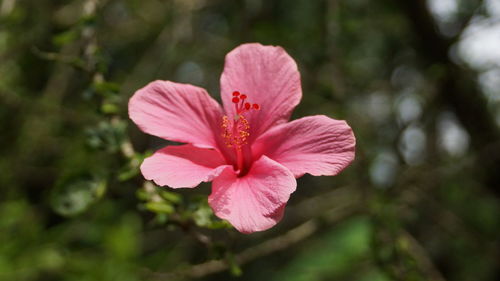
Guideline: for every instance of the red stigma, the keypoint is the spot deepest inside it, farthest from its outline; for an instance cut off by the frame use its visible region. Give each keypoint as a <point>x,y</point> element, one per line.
<point>240,105</point>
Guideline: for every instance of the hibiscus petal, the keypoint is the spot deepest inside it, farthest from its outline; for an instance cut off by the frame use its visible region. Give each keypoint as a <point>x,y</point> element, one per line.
<point>269,77</point>
<point>183,166</point>
<point>317,145</point>
<point>256,201</point>
<point>177,112</point>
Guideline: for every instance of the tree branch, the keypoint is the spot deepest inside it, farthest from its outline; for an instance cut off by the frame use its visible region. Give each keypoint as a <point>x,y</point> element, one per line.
<point>350,206</point>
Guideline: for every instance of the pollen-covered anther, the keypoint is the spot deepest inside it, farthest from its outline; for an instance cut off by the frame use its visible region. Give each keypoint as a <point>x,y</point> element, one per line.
<point>235,132</point>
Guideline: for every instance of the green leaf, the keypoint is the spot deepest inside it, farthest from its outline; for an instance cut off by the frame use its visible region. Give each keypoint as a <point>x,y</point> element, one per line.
<point>234,267</point>
<point>127,173</point>
<point>105,88</point>
<point>204,217</point>
<point>107,136</point>
<point>170,196</point>
<point>65,37</point>
<point>76,197</point>
<point>110,108</point>
<point>143,194</point>
<point>160,207</point>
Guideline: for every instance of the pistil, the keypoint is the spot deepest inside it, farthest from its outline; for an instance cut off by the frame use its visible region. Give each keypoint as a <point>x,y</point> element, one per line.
<point>236,131</point>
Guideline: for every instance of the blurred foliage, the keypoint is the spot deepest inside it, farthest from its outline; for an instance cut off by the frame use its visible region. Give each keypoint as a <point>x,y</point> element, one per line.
<point>421,201</point>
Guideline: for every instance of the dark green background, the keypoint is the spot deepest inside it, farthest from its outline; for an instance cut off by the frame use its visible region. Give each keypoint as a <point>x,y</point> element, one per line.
<point>421,201</point>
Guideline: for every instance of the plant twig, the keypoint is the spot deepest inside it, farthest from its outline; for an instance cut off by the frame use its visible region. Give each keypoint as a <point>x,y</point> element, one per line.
<point>424,261</point>
<point>268,247</point>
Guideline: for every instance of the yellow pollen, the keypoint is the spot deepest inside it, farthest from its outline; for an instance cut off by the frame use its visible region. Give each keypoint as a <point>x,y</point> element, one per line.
<point>235,133</point>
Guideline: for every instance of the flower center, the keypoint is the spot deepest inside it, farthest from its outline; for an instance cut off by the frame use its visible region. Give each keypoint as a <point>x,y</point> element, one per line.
<point>235,131</point>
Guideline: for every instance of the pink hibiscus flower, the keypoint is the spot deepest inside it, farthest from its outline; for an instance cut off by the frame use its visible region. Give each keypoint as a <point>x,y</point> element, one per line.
<point>247,147</point>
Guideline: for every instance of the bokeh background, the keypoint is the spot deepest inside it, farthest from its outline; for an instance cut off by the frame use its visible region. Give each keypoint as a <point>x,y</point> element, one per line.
<point>418,81</point>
